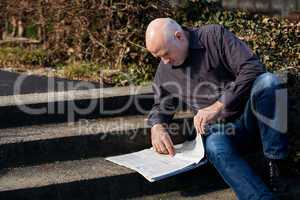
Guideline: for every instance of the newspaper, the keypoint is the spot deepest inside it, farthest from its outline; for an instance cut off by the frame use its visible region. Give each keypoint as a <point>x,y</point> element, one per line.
<point>154,166</point>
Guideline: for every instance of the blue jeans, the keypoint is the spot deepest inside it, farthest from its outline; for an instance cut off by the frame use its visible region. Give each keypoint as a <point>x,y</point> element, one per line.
<point>262,117</point>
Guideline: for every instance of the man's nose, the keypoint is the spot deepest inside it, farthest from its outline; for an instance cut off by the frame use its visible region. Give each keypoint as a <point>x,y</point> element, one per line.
<point>166,60</point>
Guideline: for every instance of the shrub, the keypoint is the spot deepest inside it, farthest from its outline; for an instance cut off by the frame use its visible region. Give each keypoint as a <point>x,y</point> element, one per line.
<point>22,58</point>
<point>111,34</point>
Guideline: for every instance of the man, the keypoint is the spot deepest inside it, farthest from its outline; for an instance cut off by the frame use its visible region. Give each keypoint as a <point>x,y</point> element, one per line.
<point>220,79</point>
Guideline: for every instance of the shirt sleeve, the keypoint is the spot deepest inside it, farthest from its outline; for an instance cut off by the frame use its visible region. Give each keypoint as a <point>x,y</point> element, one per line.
<point>164,106</point>
<point>244,64</point>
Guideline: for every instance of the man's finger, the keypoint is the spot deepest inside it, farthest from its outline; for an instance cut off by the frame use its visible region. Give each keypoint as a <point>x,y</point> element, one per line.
<point>159,150</point>
<point>163,148</point>
<point>153,146</point>
<point>156,148</point>
<point>196,125</point>
<point>202,127</point>
<point>199,125</point>
<point>169,145</point>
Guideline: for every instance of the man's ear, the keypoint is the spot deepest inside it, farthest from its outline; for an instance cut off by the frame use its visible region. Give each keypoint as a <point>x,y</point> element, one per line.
<point>178,35</point>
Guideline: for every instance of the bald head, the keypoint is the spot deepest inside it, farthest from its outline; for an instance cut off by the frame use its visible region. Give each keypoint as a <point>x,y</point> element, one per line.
<point>161,29</point>
<point>165,36</point>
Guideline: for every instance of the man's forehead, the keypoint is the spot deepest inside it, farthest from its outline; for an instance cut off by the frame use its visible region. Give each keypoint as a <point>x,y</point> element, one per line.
<point>161,52</point>
<point>156,47</point>
<point>158,50</point>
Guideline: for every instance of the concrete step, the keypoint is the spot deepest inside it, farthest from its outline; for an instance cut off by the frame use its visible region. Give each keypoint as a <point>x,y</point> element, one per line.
<point>72,95</point>
<point>62,106</point>
<point>99,179</point>
<point>96,178</point>
<point>219,194</point>
<point>83,139</point>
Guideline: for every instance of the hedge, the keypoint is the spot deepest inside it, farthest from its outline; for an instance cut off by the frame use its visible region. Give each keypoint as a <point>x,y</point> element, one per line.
<point>110,34</point>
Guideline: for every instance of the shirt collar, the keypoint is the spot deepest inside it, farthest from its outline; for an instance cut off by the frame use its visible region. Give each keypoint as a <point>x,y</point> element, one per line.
<point>194,41</point>
<point>194,44</point>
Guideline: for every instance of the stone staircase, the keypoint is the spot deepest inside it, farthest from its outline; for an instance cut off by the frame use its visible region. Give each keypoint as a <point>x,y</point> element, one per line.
<point>45,156</point>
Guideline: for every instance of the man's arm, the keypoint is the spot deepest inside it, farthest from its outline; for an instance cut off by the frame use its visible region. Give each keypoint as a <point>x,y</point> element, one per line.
<point>163,109</point>
<point>239,59</point>
<point>164,106</point>
<point>160,116</point>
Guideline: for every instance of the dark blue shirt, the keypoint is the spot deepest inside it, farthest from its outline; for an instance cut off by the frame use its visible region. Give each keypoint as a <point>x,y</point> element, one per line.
<point>219,66</point>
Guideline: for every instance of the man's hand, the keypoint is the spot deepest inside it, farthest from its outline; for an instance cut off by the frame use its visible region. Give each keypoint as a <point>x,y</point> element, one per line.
<point>161,140</point>
<point>207,115</point>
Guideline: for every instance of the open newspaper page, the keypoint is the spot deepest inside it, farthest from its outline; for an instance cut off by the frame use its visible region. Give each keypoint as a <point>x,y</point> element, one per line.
<point>154,166</point>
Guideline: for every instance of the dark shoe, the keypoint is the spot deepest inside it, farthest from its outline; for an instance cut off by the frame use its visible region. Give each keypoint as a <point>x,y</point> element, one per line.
<point>276,179</point>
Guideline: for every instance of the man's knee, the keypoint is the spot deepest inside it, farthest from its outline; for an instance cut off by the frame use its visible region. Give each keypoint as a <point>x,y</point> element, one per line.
<point>266,81</point>
<point>216,145</point>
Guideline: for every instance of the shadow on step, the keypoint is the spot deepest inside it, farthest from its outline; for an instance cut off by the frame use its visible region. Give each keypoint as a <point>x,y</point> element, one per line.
<point>194,183</point>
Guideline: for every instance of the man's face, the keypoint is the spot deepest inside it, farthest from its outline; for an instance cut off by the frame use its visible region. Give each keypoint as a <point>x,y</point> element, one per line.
<point>171,52</point>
